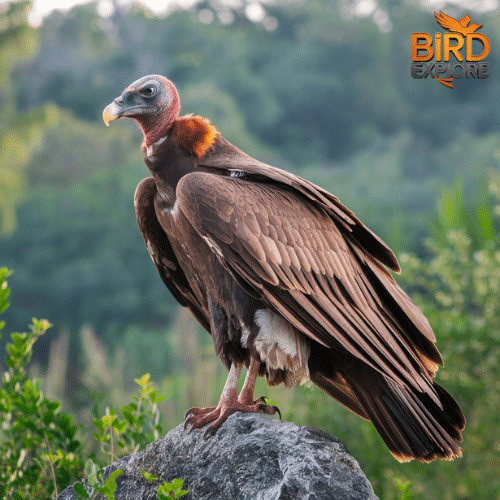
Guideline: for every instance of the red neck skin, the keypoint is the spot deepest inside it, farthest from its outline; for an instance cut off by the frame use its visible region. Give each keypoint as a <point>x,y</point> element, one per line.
<point>156,126</point>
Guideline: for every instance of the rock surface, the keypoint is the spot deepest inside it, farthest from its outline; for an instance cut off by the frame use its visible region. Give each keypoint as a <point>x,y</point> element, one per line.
<point>251,457</point>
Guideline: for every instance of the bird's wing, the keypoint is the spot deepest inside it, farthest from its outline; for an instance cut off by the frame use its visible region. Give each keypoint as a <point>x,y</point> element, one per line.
<point>226,159</point>
<point>161,252</point>
<point>307,265</point>
<point>447,22</point>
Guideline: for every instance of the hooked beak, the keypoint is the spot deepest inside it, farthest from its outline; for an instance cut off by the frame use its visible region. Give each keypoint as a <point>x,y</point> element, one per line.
<point>121,106</point>
<point>113,111</point>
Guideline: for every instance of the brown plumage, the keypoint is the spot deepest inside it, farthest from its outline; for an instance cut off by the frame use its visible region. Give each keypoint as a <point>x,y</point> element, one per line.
<point>286,279</point>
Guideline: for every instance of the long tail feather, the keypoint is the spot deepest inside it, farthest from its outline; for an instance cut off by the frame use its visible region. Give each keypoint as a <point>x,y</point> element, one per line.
<point>410,422</point>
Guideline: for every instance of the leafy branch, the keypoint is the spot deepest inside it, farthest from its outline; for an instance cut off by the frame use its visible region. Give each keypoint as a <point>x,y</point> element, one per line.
<point>38,449</point>
<point>39,455</point>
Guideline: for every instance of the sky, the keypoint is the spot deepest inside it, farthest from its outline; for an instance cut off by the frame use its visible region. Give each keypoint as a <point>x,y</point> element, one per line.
<point>105,7</point>
<point>42,7</point>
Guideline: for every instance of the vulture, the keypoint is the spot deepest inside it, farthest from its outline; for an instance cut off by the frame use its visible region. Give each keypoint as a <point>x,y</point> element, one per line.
<point>288,282</point>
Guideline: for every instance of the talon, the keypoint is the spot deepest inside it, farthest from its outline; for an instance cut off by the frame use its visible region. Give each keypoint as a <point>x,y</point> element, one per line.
<point>198,417</point>
<point>193,412</point>
<point>190,413</point>
<point>269,409</point>
<point>188,422</point>
<point>230,402</point>
<point>210,431</point>
<point>262,399</point>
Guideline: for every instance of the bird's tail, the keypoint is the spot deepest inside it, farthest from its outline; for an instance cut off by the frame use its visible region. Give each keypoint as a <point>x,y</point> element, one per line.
<point>410,422</point>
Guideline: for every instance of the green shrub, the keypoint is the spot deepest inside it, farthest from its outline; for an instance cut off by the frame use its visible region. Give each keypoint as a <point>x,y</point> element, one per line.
<point>39,454</point>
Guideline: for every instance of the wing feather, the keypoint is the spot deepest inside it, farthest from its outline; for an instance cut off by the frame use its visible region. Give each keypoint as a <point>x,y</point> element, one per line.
<point>312,270</point>
<point>225,158</point>
<point>161,251</point>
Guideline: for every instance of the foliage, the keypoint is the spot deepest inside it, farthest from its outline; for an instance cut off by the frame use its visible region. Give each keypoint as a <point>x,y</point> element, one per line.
<point>38,449</point>
<point>140,424</point>
<point>139,427</point>
<point>357,128</point>
<point>166,490</point>
<point>39,453</point>
<point>404,487</point>
<point>95,478</point>
<point>19,131</point>
<point>170,491</point>
<point>323,84</point>
<point>458,289</point>
<point>104,274</point>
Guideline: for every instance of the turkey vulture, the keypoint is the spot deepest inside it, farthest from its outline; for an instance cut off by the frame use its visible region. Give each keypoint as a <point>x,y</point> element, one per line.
<point>289,283</point>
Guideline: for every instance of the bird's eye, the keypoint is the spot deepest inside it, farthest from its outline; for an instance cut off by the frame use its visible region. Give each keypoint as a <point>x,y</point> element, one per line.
<point>149,91</point>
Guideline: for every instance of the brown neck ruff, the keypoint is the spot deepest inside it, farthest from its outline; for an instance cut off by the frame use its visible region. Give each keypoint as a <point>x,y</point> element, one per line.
<point>194,134</point>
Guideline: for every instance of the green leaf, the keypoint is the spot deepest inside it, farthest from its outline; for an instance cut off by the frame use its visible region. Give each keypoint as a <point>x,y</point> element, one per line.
<point>108,420</point>
<point>48,417</point>
<point>109,487</point>
<point>74,445</point>
<point>119,427</point>
<point>169,491</point>
<point>154,398</point>
<point>163,492</point>
<point>404,487</point>
<point>177,483</point>
<point>54,405</point>
<point>101,438</point>
<point>149,477</point>
<point>80,490</point>
<point>18,338</point>
<point>91,470</point>
<point>143,381</point>
<point>4,291</point>
<point>99,425</point>
<point>41,324</point>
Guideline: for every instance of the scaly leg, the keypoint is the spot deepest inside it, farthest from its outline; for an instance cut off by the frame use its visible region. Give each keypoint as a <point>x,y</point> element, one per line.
<point>230,402</point>
<point>246,394</point>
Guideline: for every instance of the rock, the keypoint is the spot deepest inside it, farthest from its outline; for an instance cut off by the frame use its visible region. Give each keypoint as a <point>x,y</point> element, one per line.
<point>251,457</point>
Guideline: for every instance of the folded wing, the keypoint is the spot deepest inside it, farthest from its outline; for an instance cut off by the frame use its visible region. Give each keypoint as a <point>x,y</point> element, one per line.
<point>301,256</point>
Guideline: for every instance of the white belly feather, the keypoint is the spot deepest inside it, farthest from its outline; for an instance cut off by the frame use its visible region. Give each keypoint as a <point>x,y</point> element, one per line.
<point>281,347</point>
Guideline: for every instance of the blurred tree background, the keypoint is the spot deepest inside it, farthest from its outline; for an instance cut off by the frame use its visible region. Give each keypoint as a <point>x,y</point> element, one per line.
<point>322,88</point>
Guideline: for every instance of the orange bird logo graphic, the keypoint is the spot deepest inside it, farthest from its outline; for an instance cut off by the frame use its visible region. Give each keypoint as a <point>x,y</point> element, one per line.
<point>451,24</point>
<point>462,39</point>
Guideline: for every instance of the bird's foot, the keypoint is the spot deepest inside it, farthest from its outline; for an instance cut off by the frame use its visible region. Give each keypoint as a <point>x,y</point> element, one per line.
<point>199,417</point>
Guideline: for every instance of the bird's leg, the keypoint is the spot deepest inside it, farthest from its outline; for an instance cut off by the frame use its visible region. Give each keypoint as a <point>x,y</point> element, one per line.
<point>246,394</point>
<point>230,402</point>
<point>198,417</point>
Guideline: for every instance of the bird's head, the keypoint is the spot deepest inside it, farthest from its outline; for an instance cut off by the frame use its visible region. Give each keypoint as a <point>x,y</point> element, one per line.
<point>152,100</point>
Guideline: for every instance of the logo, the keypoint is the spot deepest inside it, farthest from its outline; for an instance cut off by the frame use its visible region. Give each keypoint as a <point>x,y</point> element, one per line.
<point>462,42</point>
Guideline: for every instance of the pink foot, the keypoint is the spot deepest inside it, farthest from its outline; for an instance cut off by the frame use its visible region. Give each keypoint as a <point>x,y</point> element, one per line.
<point>199,417</point>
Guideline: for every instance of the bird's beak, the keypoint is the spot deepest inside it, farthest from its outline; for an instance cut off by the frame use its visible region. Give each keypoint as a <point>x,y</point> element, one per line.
<point>112,112</point>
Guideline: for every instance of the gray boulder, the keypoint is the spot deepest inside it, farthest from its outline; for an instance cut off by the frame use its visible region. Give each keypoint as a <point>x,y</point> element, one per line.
<point>251,457</point>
